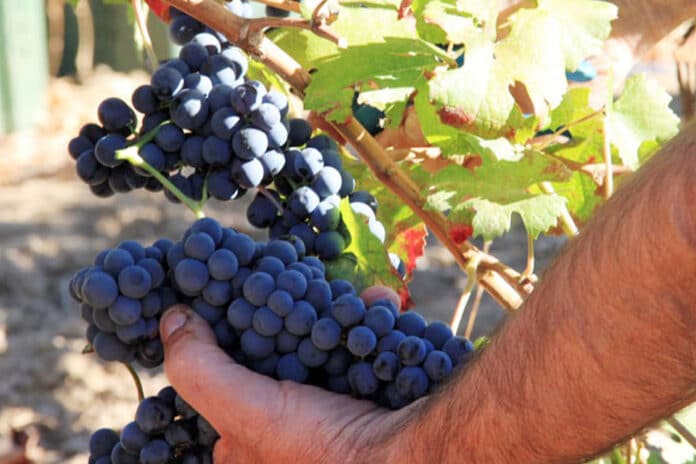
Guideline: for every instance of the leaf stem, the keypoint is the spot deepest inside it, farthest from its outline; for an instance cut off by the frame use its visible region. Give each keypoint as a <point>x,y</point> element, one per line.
<point>466,294</point>
<point>682,430</point>
<point>529,269</point>
<point>319,28</point>
<point>136,380</point>
<point>548,139</point>
<point>264,191</point>
<point>141,21</point>
<point>131,155</point>
<point>473,313</point>
<point>567,222</point>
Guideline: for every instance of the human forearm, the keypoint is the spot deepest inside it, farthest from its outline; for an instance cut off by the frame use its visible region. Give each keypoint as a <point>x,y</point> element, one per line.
<point>601,349</point>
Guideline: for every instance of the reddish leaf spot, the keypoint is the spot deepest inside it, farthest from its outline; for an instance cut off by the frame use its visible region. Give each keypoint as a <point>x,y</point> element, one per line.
<point>160,8</point>
<point>405,9</point>
<point>455,117</point>
<point>414,245</point>
<point>406,301</point>
<point>460,233</point>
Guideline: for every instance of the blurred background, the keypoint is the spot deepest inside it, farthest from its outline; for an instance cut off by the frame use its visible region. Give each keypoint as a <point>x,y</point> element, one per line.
<point>56,64</point>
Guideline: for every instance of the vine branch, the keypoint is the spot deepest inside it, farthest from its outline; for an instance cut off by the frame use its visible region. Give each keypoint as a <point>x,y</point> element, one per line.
<point>501,281</point>
<point>287,5</point>
<point>319,28</point>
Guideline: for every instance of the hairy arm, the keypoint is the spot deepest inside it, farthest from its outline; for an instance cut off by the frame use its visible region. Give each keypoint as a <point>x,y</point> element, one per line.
<point>604,346</point>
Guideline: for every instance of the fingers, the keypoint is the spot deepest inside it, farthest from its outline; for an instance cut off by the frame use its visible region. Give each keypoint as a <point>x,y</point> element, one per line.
<point>228,395</point>
<point>373,294</point>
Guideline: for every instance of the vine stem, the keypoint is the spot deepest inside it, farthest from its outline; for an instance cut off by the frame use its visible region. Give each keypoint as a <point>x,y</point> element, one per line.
<point>473,313</point>
<point>466,294</point>
<point>136,380</point>
<point>529,269</point>
<point>609,179</point>
<point>264,191</point>
<point>287,5</point>
<point>131,155</point>
<point>501,281</point>
<point>145,33</point>
<point>683,431</point>
<point>567,222</point>
<point>320,29</point>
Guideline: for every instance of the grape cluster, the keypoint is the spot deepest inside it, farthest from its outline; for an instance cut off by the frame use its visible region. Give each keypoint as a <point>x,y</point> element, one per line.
<point>122,297</point>
<point>271,308</point>
<point>166,430</point>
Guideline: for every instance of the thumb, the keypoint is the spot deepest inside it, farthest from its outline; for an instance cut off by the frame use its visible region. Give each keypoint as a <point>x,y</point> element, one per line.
<point>205,376</point>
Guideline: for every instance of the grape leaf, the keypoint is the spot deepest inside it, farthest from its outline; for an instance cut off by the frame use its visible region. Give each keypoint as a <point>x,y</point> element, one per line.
<point>488,195</point>
<point>358,23</point>
<point>394,63</point>
<point>585,26</point>
<point>540,43</point>
<point>409,246</point>
<point>574,106</point>
<point>539,213</point>
<point>454,21</point>
<point>365,261</point>
<point>640,114</point>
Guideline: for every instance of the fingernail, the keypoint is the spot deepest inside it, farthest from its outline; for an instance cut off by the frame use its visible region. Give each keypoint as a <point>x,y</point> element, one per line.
<point>173,321</point>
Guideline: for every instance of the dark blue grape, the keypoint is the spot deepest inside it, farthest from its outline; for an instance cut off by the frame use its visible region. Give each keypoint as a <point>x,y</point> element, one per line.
<point>362,380</point>
<point>291,368</point>
<point>266,322</point>
<point>181,433</point>
<point>109,348</point>
<point>106,148</point>
<point>256,345</point>
<point>125,311</point>
<point>280,302</point>
<point>386,366</point>
<point>329,245</point>
<point>277,99</point>
<point>238,59</point>
<point>189,109</point>
<point>103,321</point>
<point>300,132</point>
<point>361,341</point>
<point>380,320</point>
<point>437,365</point>
<point>242,246</point>
<point>199,82</point>
<point>194,55</point>
<point>153,415</point>
<point>155,269</point>
<point>216,151</point>
<point>266,116</point>
<point>270,265</point>
<point>170,138</point>
<point>222,264</point>
<point>132,333</point>
<point>246,98</point>
<point>348,310</point>
<point>411,350</point>
<point>134,281</point>
<point>412,382</point>
<point>99,289</point>
<point>155,452</point>
<point>166,82</point>
<point>225,123</point>
<point>292,282</point>
<point>301,318</point>
<point>362,196</point>
<point>262,212</point>
<point>218,292</point>
<point>240,314</point>
<point>115,115</point>
<point>79,145</point>
<point>120,456</point>
<point>277,135</point>
<point>117,259</point>
<point>94,174</point>
<point>326,334</point>
<point>247,174</point>
<point>191,276</point>
<point>152,155</point>
<point>411,323</point>
<point>132,438</point>
<point>224,334</point>
<point>303,201</point>
<point>459,349</point>
<point>310,355</point>
<point>209,41</point>
<point>327,182</point>
<point>249,143</point>
<point>221,186</point>
<point>102,442</point>
<point>438,333</point>
<point>258,287</point>
<point>199,245</point>
<point>145,100</point>
<point>183,28</point>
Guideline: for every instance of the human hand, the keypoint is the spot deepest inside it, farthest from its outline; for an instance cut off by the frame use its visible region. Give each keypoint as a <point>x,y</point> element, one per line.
<point>262,420</point>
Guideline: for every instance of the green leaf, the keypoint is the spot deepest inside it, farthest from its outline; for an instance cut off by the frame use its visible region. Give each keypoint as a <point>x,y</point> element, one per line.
<point>575,106</point>
<point>641,114</point>
<point>585,25</point>
<point>487,196</point>
<point>538,213</point>
<point>454,21</point>
<point>394,63</point>
<point>365,261</point>
<point>540,44</point>
<point>72,3</point>
<point>359,23</point>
